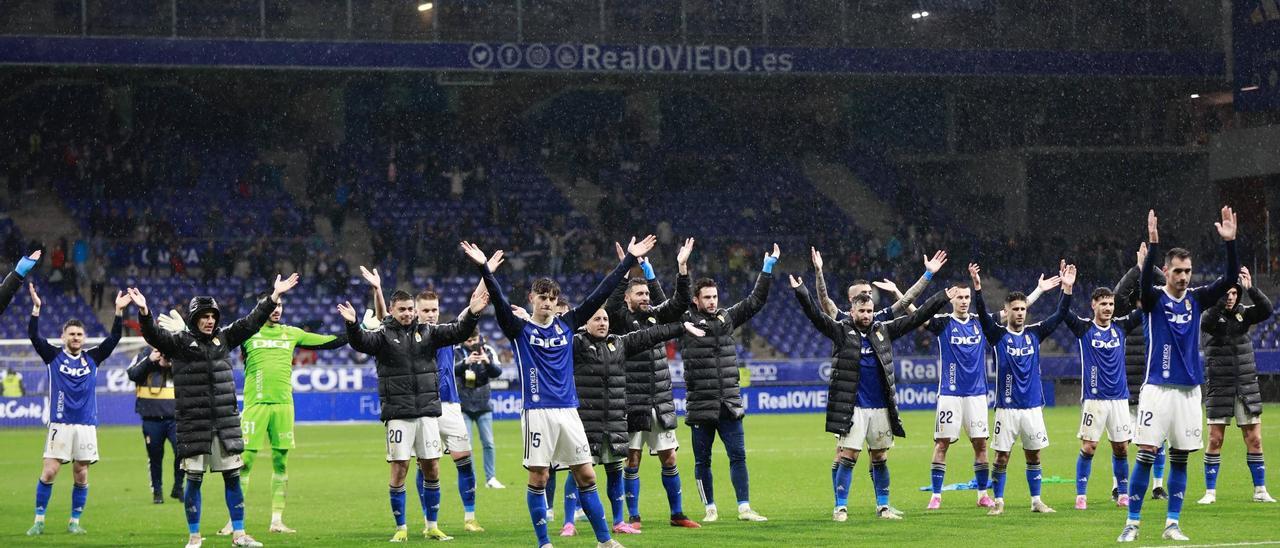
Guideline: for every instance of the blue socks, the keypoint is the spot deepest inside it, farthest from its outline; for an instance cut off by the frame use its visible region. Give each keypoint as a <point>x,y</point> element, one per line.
<point>835,484</point>
<point>571,500</point>
<point>1033,478</point>
<point>44,491</point>
<point>1177,483</point>
<point>235,499</point>
<point>937,473</point>
<point>467,483</point>
<point>551,488</point>
<point>1120,469</point>
<point>397,504</point>
<point>1138,482</point>
<point>1256,468</point>
<point>79,494</point>
<point>191,501</point>
<point>844,479</point>
<point>631,481</point>
<point>537,501</point>
<point>982,475</point>
<point>1084,465</point>
<point>431,499</point>
<point>590,501</point>
<point>1212,463</point>
<point>1158,467</point>
<point>420,485</point>
<point>614,488</point>
<point>997,481</point>
<point>880,481</point>
<point>671,483</point>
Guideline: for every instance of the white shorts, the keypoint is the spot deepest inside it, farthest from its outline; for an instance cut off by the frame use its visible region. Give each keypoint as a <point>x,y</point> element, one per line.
<point>1242,415</point>
<point>1173,413</point>
<point>216,461</point>
<point>71,442</point>
<point>1025,425</point>
<point>554,435</point>
<point>607,456</point>
<point>453,429</point>
<point>955,412</point>
<point>1110,416</point>
<point>657,438</point>
<point>407,438</point>
<point>870,426</point>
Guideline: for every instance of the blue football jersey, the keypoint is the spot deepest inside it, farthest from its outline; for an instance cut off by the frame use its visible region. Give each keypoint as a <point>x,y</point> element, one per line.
<point>544,356</point>
<point>448,386</point>
<point>961,356</point>
<point>73,379</point>
<point>870,380</point>
<point>1173,341</point>
<point>1102,370</point>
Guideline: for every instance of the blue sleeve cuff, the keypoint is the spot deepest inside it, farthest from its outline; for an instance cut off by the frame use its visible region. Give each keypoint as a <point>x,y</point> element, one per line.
<point>768,265</point>
<point>928,276</point>
<point>25,265</point>
<point>648,270</point>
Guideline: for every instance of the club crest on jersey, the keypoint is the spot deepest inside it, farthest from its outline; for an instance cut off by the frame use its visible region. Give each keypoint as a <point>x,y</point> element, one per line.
<point>612,348</point>
<point>558,330</point>
<point>653,319</point>
<point>1188,304</point>
<point>1028,338</point>
<point>1239,317</point>
<point>1113,332</point>
<point>879,336</point>
<point>417,337</point>
<point>217,342</point>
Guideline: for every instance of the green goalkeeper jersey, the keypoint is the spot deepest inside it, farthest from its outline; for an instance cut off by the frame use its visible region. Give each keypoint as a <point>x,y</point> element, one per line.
<point>268,361</point>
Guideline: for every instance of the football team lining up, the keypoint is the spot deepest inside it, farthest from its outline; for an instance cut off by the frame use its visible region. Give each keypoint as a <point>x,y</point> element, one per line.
<point>597,390</point>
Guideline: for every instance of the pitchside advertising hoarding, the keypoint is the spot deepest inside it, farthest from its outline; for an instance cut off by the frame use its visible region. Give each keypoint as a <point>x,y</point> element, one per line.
<point>350,393</point>
<point>599,57</point>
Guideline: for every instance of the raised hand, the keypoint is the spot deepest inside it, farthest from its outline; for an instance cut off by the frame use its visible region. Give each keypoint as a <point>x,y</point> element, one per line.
<point>370,321</point>
<point>952,292</point>
<point>473,253</point>
<point>520,312</point>
<point>35,255</point>
<point>642,248</point>
<point>1068,277</point>
<point>1047,284</point>
<point>371,276</point>
<point>1227,226</point>
<point>622,253</point>
<point>975,274</point>
<point>139,300</point>
<point>888,285</point>
<point>494,261</point>
<point>1153,224</point>
<point>1246,280</point>
<point>479,299</point>
<point>1142,254</point>
<point>283,286</point>
<point>171,322</point>
<point>816,257</point>
<point>935,264</point>
<point>693,330</point>
<point>347,311</point>
<point>795,282</point>
<point>35,299</point>
<point>682,256</point>
<point>122,301</point>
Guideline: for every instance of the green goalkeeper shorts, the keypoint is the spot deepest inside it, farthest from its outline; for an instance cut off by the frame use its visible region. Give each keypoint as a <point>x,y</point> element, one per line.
<point>262,421</point>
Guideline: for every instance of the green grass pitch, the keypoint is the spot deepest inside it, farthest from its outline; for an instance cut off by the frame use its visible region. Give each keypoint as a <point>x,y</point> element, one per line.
<point>338,495</point>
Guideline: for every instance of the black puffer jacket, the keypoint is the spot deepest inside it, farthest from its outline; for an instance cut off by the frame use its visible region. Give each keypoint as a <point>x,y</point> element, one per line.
<point>1135,340</point>
<point>12,283</point>
<point>1230,370</point>
<point>408,378</point>
<point>648,375</point>
<point>842,393</point>
<point>711,361</point>
<point>204,388</point>
<point>599,371</point>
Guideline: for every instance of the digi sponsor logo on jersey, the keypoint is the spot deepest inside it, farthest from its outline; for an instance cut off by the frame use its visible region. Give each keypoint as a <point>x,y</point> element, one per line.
<point>548,342</point>
<point>1019,352</point>
<point>957,340</point>
<point>1105,344</point>
<point>271,343</point>
<point>74,371</point>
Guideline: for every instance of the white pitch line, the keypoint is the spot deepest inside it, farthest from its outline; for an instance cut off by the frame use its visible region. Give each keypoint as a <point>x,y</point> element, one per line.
<point>1262,543</point>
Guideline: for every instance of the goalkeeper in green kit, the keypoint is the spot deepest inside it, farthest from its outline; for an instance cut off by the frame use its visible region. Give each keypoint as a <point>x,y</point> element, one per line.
<point>268,401</point>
